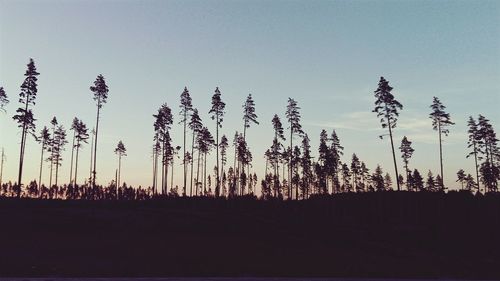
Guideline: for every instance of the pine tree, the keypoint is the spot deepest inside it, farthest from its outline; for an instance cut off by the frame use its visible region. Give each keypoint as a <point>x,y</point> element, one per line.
<point>44,140</point>
<point>293,117</point>
<point>418,180</point>
<point>461,177</point>
<point>82,136</point>
<point>4,100</point>
<point>224,144</point>
<point>336,151</point>
<point>186,107</point>
<point>474,138</point>
<point>406,153</point>
<point>440,121</point>
<point>306,166</point>
<point>73,127</point>
<point>54,124</point>
<point>431,182</point>
<point>162,125</point>
<point>249,116</point>
<point>24,116</point>
<point>100,91</point>
<point>195,125</point>
<point>378,179</point>
<point>387,109</point>
<point>276,150</point>
<point>217,112</point>
<point>120,150</point>
<point>57,147</point>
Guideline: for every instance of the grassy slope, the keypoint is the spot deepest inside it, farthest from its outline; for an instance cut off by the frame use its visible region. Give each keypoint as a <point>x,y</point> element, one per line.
<point>352,235</point>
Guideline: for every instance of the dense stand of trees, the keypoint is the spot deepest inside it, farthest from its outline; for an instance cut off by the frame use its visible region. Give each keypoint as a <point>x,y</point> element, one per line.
<point>291,172</point>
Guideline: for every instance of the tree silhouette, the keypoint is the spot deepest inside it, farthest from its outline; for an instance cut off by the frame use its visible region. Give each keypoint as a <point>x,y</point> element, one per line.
<point>488,146</point>
<point>378,179</point>
<point>306,165</point>
<point>82,136</point>
<point>406,153</point>
<point>3,99</point>
<point>73,127</point>
<point>333,158</point>
<point>100,91</point>
<point>205,143</point>
<point>387,108</point>
<point>57,147</point>
<point>430,183</point>
<point>224,144</point>
<point>355,171</point>
<point>461,177</point>
<point>418,180</point>
<point>276,149</point>
<point>186,107</point>
<point>217,112</point>
<point>120,150</point>
<point>293,117</point>
<point>54,124</point>
<point>24,116</point>
<point>474,138</point>
<point>249,115</point>
<point>440,121</point>
<point>162,125</point>
<point>195,125</point>
<point>44,140</point>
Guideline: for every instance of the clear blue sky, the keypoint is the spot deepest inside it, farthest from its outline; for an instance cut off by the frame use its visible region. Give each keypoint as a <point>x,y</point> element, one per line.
<point>328,55</point>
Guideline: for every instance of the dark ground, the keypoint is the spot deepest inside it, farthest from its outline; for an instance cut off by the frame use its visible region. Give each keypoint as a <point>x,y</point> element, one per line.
<point>372,235</point>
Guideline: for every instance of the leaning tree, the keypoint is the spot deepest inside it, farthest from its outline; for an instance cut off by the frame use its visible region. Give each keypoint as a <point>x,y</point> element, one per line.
<point>24,116</point>
<point>387,109</point>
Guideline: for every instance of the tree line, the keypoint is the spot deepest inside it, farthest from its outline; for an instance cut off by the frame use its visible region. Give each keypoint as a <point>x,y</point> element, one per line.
<point>290,170</point>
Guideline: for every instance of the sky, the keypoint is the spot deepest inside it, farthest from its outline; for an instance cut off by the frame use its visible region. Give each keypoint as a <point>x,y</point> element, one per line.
<point>327,55</point>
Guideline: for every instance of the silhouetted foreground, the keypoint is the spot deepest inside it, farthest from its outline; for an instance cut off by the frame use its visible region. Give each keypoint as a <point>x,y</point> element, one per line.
<point>387,235</point>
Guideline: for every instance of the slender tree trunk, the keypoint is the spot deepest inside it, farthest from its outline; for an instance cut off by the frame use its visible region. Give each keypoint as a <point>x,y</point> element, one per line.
<point>41,167</point>
<point>71,165</point>
<point>290,166</point>
<point>154,170</point>
<point>57,162</point>
<point>236,172</point>
<point>95,144</point>
<point>91,154</point>
<point>198,172</point>
<point>172,176</point>
<point>192,163</point>
<point>119,169</point>
<point>477,171</point>
<point>76,162</point>
<point>205,174</point>
<point>184,155</point>
<point>21,153</point>
<point>393,154</point>
<point>163,168</point>
<point>217,157</point>
<point>441,157</point>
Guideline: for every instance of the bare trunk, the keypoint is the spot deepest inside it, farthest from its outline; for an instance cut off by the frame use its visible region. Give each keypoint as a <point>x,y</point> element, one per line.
<point>393,154</point>
<point>95,144</point>
<point>41,167</point>
<point>71,166</point>
<point>192,163</point>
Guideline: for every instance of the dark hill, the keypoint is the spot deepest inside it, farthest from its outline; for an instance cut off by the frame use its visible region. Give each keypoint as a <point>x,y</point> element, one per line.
<point>387,235</point>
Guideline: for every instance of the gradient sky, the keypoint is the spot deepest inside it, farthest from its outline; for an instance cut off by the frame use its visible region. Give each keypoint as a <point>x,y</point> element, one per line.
<point>328,55</point>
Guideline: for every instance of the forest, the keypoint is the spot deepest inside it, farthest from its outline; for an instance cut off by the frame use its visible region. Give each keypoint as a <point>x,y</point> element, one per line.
<point>291,171</point>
